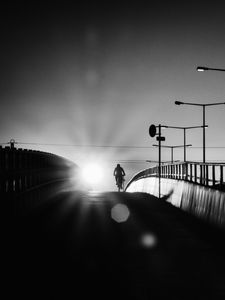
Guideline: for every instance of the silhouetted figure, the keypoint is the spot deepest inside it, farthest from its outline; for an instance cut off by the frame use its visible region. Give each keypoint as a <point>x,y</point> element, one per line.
<point>119,176</point>
<point>12,143</point>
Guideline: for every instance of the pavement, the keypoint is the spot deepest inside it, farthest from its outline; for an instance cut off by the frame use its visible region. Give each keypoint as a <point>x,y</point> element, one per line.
<point>82,245</point>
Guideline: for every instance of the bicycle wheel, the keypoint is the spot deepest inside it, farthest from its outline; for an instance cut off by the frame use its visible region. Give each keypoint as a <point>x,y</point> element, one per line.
<point>119,183</point>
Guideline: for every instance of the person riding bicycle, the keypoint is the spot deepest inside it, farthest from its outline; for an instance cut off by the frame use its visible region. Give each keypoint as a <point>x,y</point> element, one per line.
<point>119,173</point>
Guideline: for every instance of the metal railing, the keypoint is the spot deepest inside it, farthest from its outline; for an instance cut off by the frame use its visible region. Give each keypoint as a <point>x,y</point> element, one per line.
<point>22,169</point>
<point>207,174</point>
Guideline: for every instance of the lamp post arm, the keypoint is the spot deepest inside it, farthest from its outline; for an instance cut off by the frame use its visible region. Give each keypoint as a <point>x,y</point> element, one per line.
<point>211,104</point>
<point>177,146</point>
<point>188,127</point>
<point>189,103</point>
<point>193,127</point>
<point>201,104</point>
<point>195,104</point>
<point>215,69</point>
<point>199,68</point>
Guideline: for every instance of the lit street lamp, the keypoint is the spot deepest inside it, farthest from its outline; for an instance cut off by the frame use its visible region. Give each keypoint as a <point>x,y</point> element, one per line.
<point>202,69</point>
<point>203,126</point>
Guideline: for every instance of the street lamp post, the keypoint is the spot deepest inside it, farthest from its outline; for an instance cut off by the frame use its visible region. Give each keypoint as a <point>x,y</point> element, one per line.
<point>203,126</point>
<point>202,69</point>
<point>172,147</point>
<point>152,133</point>
<point>185,128</point>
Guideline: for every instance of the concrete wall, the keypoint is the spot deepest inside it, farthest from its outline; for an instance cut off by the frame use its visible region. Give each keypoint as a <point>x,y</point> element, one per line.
<point>199,200</point>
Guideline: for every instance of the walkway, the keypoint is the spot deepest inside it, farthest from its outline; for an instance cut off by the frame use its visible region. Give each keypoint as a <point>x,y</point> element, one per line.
<point>113,246</point>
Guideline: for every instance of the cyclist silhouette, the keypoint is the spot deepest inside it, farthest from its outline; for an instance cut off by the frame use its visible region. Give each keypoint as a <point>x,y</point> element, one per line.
<point>119,174</point>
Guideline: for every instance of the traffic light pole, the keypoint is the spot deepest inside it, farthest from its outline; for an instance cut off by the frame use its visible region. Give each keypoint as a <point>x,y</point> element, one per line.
<point>159,161</point>
<point>159,138</point>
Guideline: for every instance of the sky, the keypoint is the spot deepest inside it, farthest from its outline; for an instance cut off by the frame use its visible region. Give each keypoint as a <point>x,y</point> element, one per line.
<point>85,81</point>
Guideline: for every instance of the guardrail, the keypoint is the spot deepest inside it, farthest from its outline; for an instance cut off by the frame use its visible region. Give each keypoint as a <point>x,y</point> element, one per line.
<point>22,169</point>
<point>207,174</point>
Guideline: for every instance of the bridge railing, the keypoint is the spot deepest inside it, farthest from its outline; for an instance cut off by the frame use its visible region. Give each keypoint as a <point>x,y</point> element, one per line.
<point>22,169</point>
<point>208,174</point>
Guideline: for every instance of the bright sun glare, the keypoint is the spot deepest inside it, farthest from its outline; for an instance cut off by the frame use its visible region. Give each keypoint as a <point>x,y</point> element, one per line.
<point>92,173</point>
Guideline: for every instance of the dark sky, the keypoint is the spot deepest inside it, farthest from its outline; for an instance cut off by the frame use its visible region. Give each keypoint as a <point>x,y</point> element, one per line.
<point>93,74</point>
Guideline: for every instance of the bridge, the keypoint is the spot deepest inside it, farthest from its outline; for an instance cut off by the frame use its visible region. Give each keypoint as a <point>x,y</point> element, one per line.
<point>63,241</point>
<point>197,188</point>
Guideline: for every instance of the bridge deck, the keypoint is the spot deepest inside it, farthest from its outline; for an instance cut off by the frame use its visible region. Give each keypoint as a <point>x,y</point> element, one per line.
<point>74,245</point>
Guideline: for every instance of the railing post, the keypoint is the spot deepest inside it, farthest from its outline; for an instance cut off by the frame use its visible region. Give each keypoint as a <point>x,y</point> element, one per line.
<point>221,175</point>
<point>191,172</point>
<point>183,171</point>
<point>195,173</point>
<point>213,175</point>
<point>201,174</point>
<point>186,170</point>
<point>206,175</point>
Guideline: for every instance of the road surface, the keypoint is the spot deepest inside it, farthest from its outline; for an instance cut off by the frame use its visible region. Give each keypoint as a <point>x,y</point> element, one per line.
<point>92,245</point>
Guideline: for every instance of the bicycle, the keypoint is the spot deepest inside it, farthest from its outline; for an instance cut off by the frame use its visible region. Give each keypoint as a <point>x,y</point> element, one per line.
<point>120,183</point>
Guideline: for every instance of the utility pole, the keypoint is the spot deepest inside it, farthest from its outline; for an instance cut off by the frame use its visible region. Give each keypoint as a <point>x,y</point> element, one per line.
<point>159,138</point>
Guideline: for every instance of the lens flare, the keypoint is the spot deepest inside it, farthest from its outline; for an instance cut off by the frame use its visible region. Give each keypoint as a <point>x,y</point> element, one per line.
<point>149,240</point>
<point>120,213</point>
